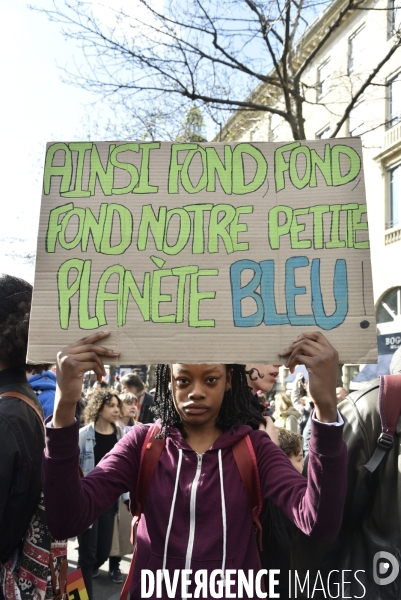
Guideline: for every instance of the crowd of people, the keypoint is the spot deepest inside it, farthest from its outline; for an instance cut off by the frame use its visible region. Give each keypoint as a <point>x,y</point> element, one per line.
<point>196,515</point>
<point>108,414</point>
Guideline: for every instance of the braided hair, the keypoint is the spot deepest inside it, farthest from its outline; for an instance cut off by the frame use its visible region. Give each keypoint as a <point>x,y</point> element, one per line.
<point>235,409</point>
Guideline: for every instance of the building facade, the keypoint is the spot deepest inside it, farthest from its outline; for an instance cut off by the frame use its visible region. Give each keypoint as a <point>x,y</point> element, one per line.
<point>352,52</point>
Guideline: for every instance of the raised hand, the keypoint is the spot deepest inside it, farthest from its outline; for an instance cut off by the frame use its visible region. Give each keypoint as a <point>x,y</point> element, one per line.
<point>72,363</point>
<point>298,377</point>
<point>321,360</point>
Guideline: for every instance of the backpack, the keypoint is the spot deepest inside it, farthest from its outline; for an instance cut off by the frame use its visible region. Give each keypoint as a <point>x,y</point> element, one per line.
<point>24,578</point>
<point>369,543</point>
<point>151,451</point>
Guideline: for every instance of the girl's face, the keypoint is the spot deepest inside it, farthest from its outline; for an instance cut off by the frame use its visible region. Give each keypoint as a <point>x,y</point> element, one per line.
<point>198,392</point>
<point>128,409</point>
<point>110,411</point>
<point>298,461</point>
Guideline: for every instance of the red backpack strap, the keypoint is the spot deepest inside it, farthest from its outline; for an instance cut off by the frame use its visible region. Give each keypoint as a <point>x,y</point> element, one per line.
<point>389,411</point>
<point>151,451</point>
<point>245,458</point>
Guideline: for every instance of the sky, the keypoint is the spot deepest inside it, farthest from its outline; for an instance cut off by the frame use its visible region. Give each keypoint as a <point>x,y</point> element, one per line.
<point>36,107</point>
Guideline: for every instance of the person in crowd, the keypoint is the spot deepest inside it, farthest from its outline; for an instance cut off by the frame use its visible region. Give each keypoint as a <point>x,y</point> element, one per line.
<point>44,385</point>
<point>372,517</point>
<point>129,411</point>
<point>202,409</point>
<point>21,432</point>
<point>97,385</point>
<point>300,397</point>
<point>80,409</point>
<point>341,394</point>
<point>303,403</point>
<point>121,543</point>
<point>261,378</point>
<point>96,439</point>
<point>292,443</point>
<point>285,415</point>
<point>277,527</point>
<point>133,383</point>
<point>117,384</point>
<point>100,385</point>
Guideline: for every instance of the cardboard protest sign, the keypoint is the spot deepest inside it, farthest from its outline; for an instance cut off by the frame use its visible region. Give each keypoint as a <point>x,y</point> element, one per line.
<point>203,252</point>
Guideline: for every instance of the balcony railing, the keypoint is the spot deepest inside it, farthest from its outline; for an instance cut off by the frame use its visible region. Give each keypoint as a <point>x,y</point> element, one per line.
<point>392,136</point>
<point>392,236</point>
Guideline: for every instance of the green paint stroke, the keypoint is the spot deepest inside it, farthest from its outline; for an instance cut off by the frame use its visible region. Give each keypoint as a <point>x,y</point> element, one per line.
<point>339,165</point>
<point>64,171</point>
<point>224,224</point>
<point>196,298</point>
<point>197,169</point>
<point>283,221</point>
<point>159,262</point>
<point>78,224</point>
<point>82,159</point>
<point>117,286</point>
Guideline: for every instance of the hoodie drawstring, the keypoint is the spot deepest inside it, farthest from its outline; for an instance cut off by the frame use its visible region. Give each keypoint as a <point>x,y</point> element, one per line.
<point>193,501</point>
<point>170,521</point>
<point>223,515</point>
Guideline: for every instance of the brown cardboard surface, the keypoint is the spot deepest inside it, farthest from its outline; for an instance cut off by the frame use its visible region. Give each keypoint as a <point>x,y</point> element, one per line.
<point>245,247</point>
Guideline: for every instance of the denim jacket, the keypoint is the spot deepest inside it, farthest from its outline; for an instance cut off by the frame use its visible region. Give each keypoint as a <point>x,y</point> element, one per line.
<point>87,444</point>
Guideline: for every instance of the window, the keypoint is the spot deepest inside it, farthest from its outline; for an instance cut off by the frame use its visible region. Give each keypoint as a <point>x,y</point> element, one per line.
<point>388,312</point>
<point>274,123</point>
<point>356,122</point>
<point>394,16</point>
<point>356,47</point>
<point>323,79</point>
<point>323,133</point>
<point>394,213</point>
<point>394,100</point>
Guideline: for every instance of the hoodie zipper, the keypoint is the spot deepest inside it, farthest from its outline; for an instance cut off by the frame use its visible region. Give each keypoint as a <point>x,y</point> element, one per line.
<point>192,507</point>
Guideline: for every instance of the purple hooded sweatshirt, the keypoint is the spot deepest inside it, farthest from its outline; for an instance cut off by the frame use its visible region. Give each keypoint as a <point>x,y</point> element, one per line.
<point>196,514</point>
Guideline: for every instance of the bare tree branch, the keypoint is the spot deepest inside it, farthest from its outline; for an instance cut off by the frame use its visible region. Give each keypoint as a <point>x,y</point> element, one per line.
<point>154,64</point>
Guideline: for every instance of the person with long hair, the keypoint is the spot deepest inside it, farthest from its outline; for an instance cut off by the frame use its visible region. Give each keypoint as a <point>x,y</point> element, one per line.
<point>21,432</point>
<point>121,544</point>
<point>129,411</point>
<point>196,515</point>
<point>285,415</point>
<point>97,439</point>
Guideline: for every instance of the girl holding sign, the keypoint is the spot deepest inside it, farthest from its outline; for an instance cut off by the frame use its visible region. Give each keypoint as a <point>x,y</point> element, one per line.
<point>196,521</point>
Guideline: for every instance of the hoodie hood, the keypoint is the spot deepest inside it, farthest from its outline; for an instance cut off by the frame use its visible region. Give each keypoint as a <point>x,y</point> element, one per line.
<point>225,440</point>
<point>46,380</point>
<point>44,386</point>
